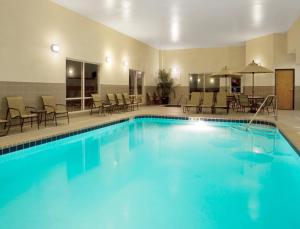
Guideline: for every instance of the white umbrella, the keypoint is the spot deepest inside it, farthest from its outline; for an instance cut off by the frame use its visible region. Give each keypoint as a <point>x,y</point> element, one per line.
<point>254,68</point>
<point>225,73</point>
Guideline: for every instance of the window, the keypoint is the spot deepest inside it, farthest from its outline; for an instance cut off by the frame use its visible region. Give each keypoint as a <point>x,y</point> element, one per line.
<point>236,85</point>
<point>204,83</point>
<point>196,83</point>
<point>212,84</point>
<point>136,79</point>
<point>81,82</point>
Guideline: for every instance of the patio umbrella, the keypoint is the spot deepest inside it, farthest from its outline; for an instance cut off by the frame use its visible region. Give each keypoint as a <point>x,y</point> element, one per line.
<point>225,73</point>
<point>254,68</point>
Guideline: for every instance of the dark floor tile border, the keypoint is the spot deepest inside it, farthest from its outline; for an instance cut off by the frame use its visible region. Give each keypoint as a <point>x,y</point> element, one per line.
<point>260,122</point>
<point>26,145</point>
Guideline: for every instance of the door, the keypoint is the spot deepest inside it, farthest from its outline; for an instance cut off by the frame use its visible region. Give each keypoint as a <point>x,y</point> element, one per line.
<point>285,88</point>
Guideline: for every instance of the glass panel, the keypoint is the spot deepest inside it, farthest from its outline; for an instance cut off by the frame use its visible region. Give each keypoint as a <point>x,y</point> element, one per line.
<point>74,105</point>
<point>140,76</point>
<point>236,85</point>
<point>73,78</point>
<point>196,83</point>
<point>90,79</point>
<point>131,82</point>
<point>212,84</point>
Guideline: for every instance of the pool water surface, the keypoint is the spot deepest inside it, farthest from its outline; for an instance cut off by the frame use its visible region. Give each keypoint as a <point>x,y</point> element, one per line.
<point>154,173</point>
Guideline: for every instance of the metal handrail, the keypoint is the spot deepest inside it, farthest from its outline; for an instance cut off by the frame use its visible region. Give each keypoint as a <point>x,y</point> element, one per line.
<point>261,106</point>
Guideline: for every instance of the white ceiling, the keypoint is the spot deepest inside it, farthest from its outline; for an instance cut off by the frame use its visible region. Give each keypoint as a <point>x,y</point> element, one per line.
<point>170,24</point>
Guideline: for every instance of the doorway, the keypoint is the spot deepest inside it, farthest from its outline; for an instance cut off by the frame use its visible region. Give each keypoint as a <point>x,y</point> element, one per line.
<point>284,88</point>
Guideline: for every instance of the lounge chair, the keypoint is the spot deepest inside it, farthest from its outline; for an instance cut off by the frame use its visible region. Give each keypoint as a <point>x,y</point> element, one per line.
<point>6,127</point>
<point>139,100</point>
<point>221,102</point>
<point>208,101</point>
<point>120,101</point>
<point>16,110</point>
<point>157,99</point>
<point>150,99</point>
<point>55,110</point>
<point>194,102</point>
<point>244,103</point>
<point>128,102</point>
<point>112,102</point>
<point>98,104</point>
<point>269,104</point>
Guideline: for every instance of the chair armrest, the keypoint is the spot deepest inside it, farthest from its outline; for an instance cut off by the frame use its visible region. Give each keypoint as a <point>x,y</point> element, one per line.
<point>53,108</point>
<point>59,104</point>
<point>14,109</point>
<point>30,109</point>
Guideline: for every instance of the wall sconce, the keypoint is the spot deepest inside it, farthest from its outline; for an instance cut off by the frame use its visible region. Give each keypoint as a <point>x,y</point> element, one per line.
<point>55,48</point>
<point>175,73</point>
<point>125,63</point>
<point>108,60</point>
<point>212,80</point>
<point>191,78</point>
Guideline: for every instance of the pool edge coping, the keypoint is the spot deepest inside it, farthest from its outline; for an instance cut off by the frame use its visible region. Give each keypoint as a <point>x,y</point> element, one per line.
<point>43,140</point>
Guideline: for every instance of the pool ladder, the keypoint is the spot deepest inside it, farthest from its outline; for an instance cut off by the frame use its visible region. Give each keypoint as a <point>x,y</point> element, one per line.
<point>272,98</point>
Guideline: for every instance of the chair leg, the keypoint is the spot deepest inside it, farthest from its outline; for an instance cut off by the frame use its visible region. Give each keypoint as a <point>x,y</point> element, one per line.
<point>21,123</point>
<point>68,118</point>
<point>31,121</point>
<point>55,119</point>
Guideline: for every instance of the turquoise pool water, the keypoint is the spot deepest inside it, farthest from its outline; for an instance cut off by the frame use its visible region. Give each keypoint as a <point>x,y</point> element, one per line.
<point>154,173</point>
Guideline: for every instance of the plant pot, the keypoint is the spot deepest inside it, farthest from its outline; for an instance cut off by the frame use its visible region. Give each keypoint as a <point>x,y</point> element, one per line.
<point>165,100</point>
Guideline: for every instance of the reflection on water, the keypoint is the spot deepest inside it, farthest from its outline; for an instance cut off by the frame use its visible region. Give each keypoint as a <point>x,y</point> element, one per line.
<point>82,156</point>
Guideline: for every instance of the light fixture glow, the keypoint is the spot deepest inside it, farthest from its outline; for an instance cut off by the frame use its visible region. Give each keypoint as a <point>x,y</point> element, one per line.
<point>108,60</point>
<point>71,71</point>
<point>191,78</point>
<point>212,80</point>
<point>55,48</point>
<point>125,63</point>
<point>199,80</point>
<point>175,32</point>
<point>257,13</point>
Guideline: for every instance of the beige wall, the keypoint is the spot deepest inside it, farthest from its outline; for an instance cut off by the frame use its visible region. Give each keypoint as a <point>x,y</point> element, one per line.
<point>202,60</point>
<point>28,28</point>
<point>261,50</point>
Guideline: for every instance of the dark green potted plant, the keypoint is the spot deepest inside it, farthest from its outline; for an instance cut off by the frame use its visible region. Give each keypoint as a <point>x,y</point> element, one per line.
<point>165,86</point>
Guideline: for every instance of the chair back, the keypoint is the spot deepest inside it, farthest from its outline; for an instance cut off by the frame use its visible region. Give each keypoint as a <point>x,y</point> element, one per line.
<point>195,99</point>
<point>126,98</point>
<point>16,102</point>
<point>111,99</point>
<point>221,99</point>
<point>49,103</point>
<point>139,99</point>
<point>119,98</point>
<point>208,99</point>
<point>269,102</point>
<point>244,100</point>
<point>96,100</point>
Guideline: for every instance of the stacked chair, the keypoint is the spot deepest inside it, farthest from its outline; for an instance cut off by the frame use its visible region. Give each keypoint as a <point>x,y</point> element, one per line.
<point>99,105</point>
<point>207,100</point>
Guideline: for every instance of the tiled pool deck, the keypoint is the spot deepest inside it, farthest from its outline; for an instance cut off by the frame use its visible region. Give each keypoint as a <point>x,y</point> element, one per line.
<point>288,122</point>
